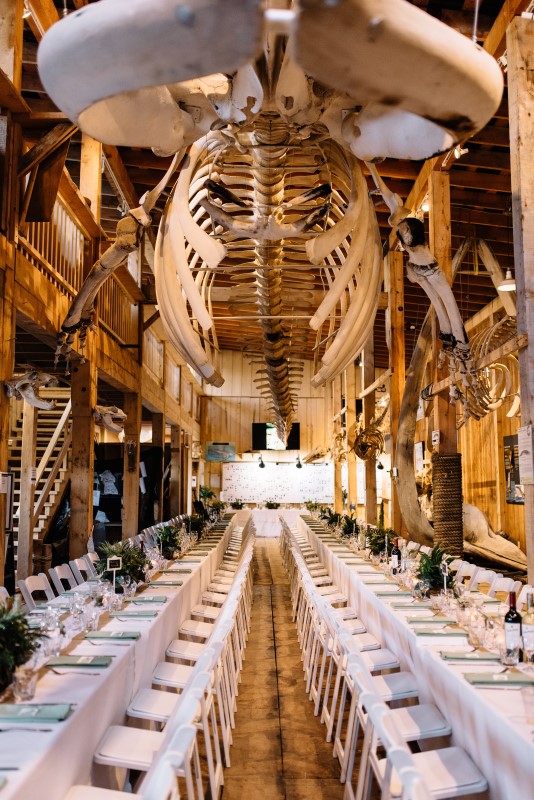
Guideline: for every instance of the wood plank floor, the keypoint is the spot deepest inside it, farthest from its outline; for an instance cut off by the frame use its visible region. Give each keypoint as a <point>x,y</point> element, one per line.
<point>279,749</point>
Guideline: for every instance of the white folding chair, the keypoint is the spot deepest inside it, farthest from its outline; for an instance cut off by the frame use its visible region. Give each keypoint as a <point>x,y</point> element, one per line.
<point>62,573</point>
<point>483,578</point>
<point>4,595</point>
<point>35,584</point>
<point>503,587</point>
<point>522,596</point>
<point>81,570</point>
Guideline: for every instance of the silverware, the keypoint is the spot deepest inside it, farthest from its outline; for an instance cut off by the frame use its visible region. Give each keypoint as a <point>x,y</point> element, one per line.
<point>69,671</point>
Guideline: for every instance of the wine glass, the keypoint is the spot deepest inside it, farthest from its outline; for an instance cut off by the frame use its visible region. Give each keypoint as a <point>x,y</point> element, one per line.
<point>528,650</point>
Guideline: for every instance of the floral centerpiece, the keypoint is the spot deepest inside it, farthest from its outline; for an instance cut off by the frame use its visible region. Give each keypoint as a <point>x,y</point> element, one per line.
<point>169,540</point>
<point>429,569</point>
<point>17,642</point>
<point>349,526</point>
<point>134,560</point>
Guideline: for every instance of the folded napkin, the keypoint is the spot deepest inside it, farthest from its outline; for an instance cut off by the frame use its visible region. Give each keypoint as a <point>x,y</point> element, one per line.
<point>468,655</point>
<point>164,583</point>
<point>112,635</point>
<point>510,678</point>
<point>393,593</point>
<point>147,598</point>
<point>89,662</point>
<point>199,552</point>
<point>141,612</point>
<point>172,571</point>
<point>368,571</point>
<point>52,712</point>
<point>439,631</point>
<point>433,621</point>
<point>415,606</point>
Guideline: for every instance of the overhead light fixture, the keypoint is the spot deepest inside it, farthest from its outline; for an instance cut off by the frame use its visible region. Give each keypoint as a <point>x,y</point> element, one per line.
<point>261,463</point>
<point>508,284</point>
<point>299,463</point>
<point>379,465</point>
<point>425,205</point>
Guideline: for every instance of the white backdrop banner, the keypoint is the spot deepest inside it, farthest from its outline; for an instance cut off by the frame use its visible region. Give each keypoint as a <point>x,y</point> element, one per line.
<point>281,483</point>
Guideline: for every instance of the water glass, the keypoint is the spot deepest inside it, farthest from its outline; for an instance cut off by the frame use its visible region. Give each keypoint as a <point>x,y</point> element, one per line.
<point>528,650</point>
<point>24,683</point>
<point>527,696</point>
<point>509,656</point>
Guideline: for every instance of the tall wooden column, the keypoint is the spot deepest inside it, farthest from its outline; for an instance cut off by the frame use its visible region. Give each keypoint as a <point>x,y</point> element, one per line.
<point>83,394</point>
<point>520,50</point>
<point>158,440</point>
<point>397,361</point>
<point>175,471</point>
<point>350,402</point>
<point>368,414</point>
<point>27,492</point>
<point>336,408</point>
<point>439,240</point>
<point>130,483</point>
<point>7,363</point>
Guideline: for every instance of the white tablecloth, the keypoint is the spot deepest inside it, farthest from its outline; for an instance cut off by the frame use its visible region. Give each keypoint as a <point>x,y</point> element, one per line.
<point>49,763</point>
<point>488,723</point>
<point>267,520</point>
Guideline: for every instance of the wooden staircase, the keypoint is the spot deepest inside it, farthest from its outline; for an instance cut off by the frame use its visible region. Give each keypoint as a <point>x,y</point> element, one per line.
<point>53,439</point>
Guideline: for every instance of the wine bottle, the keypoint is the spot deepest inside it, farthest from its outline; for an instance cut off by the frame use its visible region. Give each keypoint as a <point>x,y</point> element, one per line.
<point>512,626</point>
<point>395,557</point>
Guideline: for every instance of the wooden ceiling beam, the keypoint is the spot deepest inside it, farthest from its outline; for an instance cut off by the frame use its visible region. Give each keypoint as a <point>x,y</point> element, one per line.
<point>485,182</point>
<point>45,146</point>
<point>10,97</point>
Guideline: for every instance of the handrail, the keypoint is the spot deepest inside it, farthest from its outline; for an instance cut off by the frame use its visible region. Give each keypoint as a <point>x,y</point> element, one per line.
<point>45,491</point>
<point>52,443</point>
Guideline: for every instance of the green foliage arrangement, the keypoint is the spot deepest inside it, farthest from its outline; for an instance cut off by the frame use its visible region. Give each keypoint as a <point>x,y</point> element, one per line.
<point>349,526</point>
<point>430,567</point>
<point>17,642</point>
<point>133,559</point>
<point>312,506</point>
<point>272,504</point>
<point>237,505</point>
<point>218,508</point>
<point>377,540</point>
<point>170,540</point>
<point>331,517</point>
<point>195,524</point>
<point>206,493</point>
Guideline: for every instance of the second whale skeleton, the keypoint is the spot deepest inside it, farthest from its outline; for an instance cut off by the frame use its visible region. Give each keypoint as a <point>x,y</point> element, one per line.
<point>271,198</point>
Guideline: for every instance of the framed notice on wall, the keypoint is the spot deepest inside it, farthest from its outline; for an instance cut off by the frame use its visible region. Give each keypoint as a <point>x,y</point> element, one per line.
<point>220,451</point>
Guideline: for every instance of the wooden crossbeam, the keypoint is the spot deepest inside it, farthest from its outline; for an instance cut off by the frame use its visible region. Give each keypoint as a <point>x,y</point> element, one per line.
<point>10,97</point>
<point>379,381</point>
<point>45,146</point>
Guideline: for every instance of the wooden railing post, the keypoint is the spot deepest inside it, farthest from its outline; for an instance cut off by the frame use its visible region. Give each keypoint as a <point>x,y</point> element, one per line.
<point>83,388</point>
<point>368,414</point>
<point>175,479</point>
<point>130,486</point>
<point>27,491</point>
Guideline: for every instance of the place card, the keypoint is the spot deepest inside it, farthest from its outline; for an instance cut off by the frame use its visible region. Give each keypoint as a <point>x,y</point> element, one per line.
<point>131,635</point>
<point>87,662</point>
<point>147,598</point>
<point>52,712</point>
<point>161,583</point>
<point>439,631</point>
<point>468,655</point>
<point>141,612</point>
<point>509,678</point>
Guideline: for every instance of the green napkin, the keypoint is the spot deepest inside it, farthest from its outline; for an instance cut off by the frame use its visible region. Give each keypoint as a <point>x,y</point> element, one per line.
<point>162,583</point>
<point>177,570</point>
<point>437,631</point>
<point>393,593</point>
<point>416,605</point>
<point>141,612</point>
<point>430,620</point>
<point>468,655</point>
<point>200,552</point>
<point>113,635</point>
<point>510,678</point>
<point>88,662</point>
<point>147,598</point>
<point>53,712</point>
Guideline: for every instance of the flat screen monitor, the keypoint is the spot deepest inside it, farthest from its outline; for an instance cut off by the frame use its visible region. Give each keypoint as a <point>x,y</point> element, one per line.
<point>264,437</point>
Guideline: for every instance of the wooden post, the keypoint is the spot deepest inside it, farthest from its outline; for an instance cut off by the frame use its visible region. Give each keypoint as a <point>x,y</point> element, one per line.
<point>158,440</point>
<point>27,492</point>
<point>7,364</point>
<point>186,474</point>
<point>336,408</point>
<point>91,173</point>
<point>83,394</point>
<point>350,402</point>
<point>520,47</point>
<point>175,472</point>
<point>439,240</point>
<point>11,31</point>
<point>397,363</point>
<point>368,414</point>
<point>130,483</point>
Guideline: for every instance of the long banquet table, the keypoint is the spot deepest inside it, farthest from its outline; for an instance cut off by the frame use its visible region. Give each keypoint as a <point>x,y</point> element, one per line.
<point>489,723</point>
<point>45,764</point>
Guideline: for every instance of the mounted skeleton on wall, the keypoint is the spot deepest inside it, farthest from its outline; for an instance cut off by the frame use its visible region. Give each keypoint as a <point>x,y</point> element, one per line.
<point>26,387</point>
<point>111,417</point>
<point>335,85</point>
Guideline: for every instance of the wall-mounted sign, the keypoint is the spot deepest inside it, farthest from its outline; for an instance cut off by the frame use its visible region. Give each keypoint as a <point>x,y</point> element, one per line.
<point>220,451</point>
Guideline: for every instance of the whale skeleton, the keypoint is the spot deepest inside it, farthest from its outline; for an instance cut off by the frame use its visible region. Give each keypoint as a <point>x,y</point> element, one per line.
<point>278,107</point>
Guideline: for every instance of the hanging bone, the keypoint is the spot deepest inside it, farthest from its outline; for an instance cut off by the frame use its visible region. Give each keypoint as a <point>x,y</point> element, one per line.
<point>111,417</point>
<point>26,387</point>
<point>368,443</point>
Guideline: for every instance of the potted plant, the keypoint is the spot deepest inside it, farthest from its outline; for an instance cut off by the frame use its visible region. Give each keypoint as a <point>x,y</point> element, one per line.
<point>194,524</point>
<point>17,642</point>
<point>272,504</point>
<point>377,540</point>
<point>237,505</point>
<point>429,569</point>
<point>206,493</point>
<point>134,560</point>
<point>349,526</point>
<point>169,540</point>
<point>331,517</point>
